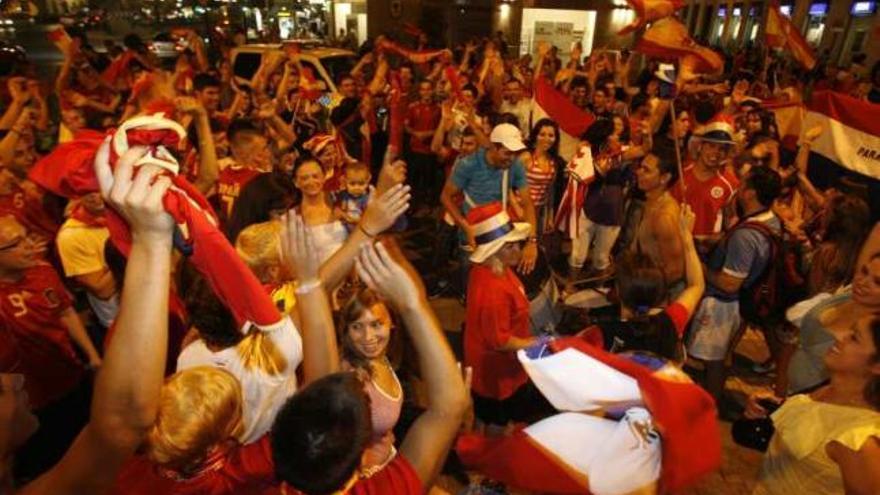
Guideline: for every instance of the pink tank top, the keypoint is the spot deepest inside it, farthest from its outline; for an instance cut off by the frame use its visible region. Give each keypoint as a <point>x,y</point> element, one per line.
<point>385,410</point>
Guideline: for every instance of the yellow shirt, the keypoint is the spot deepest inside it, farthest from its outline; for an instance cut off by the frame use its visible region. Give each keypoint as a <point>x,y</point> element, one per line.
<point>796,462</point>
<point>81,247</point>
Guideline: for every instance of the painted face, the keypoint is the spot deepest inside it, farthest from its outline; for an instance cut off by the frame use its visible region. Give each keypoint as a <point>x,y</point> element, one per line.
<point>17,423</point>
<point>309,179</point>
<point>357,182</point>
<point>546,138</point>
<point>866,284</point>
<point>854,349</point>
<point>370,333</point>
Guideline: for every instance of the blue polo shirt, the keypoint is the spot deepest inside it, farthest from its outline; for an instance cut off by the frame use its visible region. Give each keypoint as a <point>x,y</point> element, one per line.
<point>482,182</point>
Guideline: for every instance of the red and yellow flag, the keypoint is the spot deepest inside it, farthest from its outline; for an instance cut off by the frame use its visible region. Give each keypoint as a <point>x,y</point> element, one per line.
<point>781,33</point>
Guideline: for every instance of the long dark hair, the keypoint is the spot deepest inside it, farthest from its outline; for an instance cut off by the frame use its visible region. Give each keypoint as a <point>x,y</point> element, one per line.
<point>536,129</point>
<point>351,310</point>
<point>847,226</point>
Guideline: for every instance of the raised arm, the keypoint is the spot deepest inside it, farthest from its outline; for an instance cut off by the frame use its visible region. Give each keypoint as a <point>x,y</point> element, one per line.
<point>430,437</point>
<point>20,97</point>
<point>693,269</point>
<point>320,355</point>
<point>209,170</point>
<point>380,215</point>
<point>128,387</point>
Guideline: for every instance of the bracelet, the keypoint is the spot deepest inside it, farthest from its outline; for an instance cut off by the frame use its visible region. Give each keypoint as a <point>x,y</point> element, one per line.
<point>307,287</point>
<point>362,229</point>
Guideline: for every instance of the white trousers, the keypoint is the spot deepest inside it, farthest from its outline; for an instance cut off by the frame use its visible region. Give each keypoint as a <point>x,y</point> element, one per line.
<point>602,239</point>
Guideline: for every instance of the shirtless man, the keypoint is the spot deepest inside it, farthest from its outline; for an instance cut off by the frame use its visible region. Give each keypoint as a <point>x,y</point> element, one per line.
<point>658,234</point>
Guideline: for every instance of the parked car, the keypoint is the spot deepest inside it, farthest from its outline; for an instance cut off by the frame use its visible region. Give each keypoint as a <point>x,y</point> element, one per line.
<point>327,64</point>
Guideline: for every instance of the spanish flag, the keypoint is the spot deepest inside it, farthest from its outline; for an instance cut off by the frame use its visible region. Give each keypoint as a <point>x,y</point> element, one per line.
<point>781,33</point>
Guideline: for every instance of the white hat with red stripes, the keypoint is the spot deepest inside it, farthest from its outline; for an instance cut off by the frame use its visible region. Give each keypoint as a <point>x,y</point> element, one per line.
<point>493,228</point>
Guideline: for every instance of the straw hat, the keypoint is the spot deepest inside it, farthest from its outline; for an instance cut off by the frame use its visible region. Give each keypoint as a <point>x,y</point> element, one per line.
<point>493,228</point>
<point>718,130</point>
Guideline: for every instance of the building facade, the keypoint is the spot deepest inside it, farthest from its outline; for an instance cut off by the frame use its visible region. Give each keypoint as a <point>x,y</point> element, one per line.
<point>837,28</point>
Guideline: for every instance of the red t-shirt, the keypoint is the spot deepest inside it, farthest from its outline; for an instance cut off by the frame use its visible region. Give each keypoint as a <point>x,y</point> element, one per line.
<point>229,185</point>
<point>396,478</point>
<point>497,309</point>
<point>245,469</point>
<point>707,198</point>
<point>422,117</point>
<point>30,310</point>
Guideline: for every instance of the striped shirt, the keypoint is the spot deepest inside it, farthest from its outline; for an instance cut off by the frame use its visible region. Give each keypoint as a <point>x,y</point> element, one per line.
<point>539,182</point>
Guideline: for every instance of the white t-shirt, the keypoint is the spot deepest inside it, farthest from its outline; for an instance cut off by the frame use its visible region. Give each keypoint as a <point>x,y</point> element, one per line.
<point>262,394</point>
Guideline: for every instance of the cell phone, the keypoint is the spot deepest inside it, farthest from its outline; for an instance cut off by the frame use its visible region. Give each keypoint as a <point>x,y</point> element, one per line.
<point>325,100</point>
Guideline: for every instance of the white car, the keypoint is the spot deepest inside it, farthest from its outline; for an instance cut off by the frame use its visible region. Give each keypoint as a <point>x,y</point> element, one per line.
<point>327,64</point>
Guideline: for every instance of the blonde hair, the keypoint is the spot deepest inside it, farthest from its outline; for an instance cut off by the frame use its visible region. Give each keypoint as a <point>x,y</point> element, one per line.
<point>199,408</point>
<point>258,246</point>
<point>257,351</point>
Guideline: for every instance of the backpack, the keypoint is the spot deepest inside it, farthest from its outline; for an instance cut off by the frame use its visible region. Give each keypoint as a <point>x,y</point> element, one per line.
<point>764,301</point>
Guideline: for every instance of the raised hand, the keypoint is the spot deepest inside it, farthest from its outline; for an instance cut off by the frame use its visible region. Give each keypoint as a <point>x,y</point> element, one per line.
<point>687,219</point>
<point>18,89</point>
<point>137,198</point>
<point>189,105</point>
<point>298,249</point>
<point>386,277</point>
<point>384,210</point>
<point>393,172</point>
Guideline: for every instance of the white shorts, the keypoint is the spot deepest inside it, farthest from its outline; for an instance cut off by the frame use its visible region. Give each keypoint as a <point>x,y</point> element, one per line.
<point>715,323</point>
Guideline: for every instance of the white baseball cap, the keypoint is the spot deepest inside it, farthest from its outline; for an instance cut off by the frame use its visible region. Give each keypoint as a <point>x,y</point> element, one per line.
<point>509,136</point>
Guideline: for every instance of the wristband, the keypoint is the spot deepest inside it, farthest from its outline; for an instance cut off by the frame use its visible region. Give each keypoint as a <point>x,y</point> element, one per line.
<point>307,287</point>
<point>362,229</point>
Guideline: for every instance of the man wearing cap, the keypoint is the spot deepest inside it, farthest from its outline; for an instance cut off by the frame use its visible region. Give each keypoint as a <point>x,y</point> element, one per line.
<point>708,187</point>
<point>492,175</point>
<point>497,318</point>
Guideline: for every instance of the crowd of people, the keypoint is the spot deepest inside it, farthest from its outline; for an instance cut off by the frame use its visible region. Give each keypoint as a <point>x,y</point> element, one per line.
<point>205,285</point>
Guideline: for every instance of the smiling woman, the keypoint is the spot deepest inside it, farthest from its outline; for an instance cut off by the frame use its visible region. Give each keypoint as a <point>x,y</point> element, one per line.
<point>365,330</point>
<point>316,207</point>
